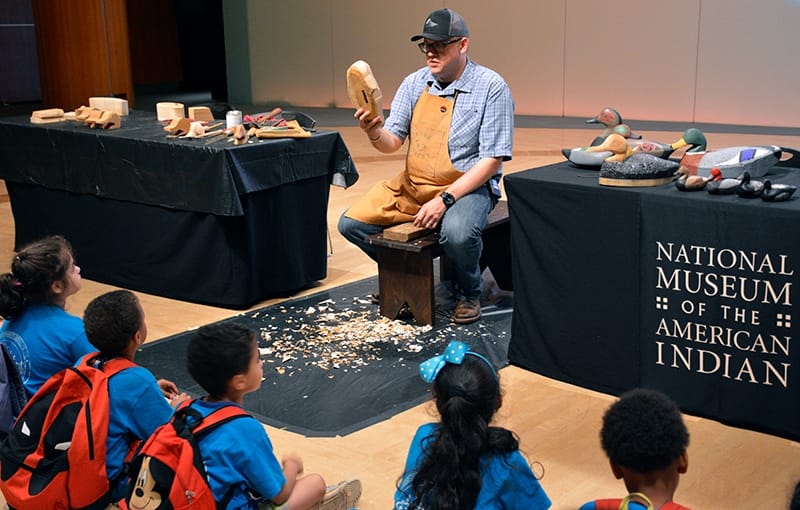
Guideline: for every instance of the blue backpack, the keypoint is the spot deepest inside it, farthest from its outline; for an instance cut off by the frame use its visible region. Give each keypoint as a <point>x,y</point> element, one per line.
<point>12,392</point>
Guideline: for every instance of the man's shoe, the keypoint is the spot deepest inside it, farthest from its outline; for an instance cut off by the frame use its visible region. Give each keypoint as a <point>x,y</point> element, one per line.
<point>467,311</point>
<point>342,496</point>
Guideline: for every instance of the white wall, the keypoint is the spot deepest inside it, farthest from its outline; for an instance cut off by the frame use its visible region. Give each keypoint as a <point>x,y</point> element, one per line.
<point>673,60</point>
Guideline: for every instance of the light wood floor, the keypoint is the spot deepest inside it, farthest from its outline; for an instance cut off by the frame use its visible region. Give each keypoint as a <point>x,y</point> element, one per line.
<point>558,423</point>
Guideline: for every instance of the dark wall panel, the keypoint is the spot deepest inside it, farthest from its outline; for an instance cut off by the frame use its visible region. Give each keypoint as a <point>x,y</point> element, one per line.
<point>19,81</point>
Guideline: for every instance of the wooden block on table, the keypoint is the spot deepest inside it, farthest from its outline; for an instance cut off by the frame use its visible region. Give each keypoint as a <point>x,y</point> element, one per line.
<point>405,232</point>
<point>111,104</point>
<point>47,116</point>
<point>168,110</point>
<point>200,113</point>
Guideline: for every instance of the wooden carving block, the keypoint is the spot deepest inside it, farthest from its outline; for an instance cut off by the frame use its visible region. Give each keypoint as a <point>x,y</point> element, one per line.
<point>111,104</point>
<point>363,89</point>
<point>404,232</point>
<point>47,116</point>
<point>200,113</point>
<point>169,110</point>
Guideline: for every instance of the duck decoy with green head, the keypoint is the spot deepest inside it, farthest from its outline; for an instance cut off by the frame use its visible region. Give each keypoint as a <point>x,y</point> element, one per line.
<point>611,119</point>
<point>692,137</point>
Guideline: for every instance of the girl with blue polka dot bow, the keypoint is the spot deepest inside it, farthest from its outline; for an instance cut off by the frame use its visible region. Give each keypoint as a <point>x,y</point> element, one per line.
<point>464,462</point>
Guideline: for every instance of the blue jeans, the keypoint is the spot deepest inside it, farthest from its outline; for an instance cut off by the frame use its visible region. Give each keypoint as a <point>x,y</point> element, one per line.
<point>460,237</point>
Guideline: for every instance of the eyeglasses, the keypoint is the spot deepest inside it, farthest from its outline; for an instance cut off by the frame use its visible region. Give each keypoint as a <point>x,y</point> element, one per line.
<point>436,48</point>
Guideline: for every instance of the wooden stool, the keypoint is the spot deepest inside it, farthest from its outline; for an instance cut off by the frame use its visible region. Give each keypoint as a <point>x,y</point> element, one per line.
<point>405,268</point>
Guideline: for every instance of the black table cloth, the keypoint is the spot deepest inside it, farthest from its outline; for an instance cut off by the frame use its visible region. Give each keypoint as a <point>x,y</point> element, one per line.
<point>183,218</point>
<point>685,292</point>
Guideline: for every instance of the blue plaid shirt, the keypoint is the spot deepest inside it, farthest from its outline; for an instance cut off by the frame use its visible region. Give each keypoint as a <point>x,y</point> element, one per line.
<point>483,117</point>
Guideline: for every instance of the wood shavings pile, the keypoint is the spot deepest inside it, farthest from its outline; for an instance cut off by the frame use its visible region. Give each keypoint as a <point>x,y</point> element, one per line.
<point>332,337</point>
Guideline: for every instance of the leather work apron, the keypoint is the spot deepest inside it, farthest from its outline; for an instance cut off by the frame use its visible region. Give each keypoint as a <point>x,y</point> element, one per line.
<point>428,171</point>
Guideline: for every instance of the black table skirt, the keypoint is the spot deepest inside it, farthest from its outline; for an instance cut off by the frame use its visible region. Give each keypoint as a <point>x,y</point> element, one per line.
<point>684,292</point>
<point>231,261</point>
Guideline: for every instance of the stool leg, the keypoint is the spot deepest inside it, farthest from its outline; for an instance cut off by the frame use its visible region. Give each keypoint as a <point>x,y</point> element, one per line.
<point>406,277</point>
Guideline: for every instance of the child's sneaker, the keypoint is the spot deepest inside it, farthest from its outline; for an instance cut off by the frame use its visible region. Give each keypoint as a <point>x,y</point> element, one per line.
<point>341,496</point>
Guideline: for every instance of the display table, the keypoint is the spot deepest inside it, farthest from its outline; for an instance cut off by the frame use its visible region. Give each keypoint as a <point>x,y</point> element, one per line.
<point>183,218</point>
<point>684,292</point>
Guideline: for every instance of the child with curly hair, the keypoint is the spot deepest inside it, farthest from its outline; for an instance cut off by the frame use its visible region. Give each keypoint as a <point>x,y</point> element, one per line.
<point>645,439</point>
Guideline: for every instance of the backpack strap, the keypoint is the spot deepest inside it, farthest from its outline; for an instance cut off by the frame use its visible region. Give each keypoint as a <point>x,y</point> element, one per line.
<point>14,390</point>
<point>619,503</point>
<point>607,504</point>
<point>202,426</point>
<point>109,366</point>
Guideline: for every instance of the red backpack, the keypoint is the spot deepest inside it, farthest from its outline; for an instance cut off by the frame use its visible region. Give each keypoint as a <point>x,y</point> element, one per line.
<point>169,471</point>
<point>55,456</point>
<point>615,503</point>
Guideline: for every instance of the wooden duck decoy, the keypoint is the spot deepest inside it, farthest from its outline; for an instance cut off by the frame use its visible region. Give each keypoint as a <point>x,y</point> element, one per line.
<point>777,192</point>
<point>749,188</point>
<point>721,186</point>
<point>637,169</point>
<point>692,137</point>
<point>611,119</point>
<point>594,160</point>
<point>686,182</point>
<point>733,161</point>
<point>613,148</point>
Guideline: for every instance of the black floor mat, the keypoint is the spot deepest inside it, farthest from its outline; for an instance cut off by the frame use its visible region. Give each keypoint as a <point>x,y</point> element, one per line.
<point>334,365</point>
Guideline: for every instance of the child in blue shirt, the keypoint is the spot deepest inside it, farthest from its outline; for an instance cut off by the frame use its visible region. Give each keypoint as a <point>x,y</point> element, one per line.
<point>115,325</point>
<point>41,337</point>
<point>463,462</point>
<point>645,438</point>
<point>224,359</point>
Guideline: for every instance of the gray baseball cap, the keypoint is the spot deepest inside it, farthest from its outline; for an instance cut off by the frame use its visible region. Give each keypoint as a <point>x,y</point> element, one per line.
<point>443,24</point>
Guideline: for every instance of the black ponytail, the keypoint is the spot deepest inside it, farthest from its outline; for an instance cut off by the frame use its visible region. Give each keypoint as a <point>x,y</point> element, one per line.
<point>34,269</point>
<point>448,475</point>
